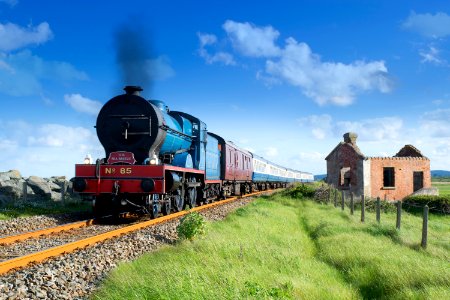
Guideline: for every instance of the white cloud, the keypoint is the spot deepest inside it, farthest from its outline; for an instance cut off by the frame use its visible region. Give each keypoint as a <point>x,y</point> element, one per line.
<point>436,123</point>
<point>206,39</point>
<point>83,104</point>
<point>14,37</point>
<point>438,102</point>
<point>251,40</point>
<point>6,67</point>
<point>431,55</point>
<point>45,149</point>
<point>47,101</point>
<point>307,161</point>
<point>327,82</point>
<point>320,125</point>
<point>21,73</point>
<point>219,57</point>
<point>324,82</point>
<point>429,25</point>
<point>377,129</point>
<point>56,135</point>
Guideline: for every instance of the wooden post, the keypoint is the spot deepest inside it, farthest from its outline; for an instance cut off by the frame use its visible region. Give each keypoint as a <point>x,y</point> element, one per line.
<point>425,227</point>
<point>335,198</point>
<point>25,191</point>
<point>343,200</point>
<point>378,209</point>
<point>363,208</point>
<point>399,214</point>
<point>329,195</point>
<point>352,204</point>
<point>63,192</point>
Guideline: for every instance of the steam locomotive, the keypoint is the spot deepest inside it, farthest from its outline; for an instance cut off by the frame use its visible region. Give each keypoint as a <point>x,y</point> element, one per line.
<point>159,161</point>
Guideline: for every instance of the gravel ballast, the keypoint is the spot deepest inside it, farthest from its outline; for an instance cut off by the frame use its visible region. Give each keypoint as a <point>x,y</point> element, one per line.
<point>76,275</point>
<point>21,225</point>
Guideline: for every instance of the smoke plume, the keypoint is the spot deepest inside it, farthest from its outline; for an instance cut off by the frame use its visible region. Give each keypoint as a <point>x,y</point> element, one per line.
<point>133,54</point>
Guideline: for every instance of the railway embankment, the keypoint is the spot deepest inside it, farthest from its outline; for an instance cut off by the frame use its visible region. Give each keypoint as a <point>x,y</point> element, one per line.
<point>289,247</point>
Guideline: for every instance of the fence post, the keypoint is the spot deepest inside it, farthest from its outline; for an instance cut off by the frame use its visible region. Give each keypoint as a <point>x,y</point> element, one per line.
<point>335,198</point>
<point>378,209</point>
<point>425,227</point>
<point>25,191</point>
<point>63,192</point>
<point>363,208</point>
<point>343,200</point>
<point>352,204</point>
<point>399,214</point>
<point>329,195</point>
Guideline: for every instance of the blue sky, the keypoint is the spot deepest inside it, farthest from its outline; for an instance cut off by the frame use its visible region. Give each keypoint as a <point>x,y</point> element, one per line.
<point>285,79</point>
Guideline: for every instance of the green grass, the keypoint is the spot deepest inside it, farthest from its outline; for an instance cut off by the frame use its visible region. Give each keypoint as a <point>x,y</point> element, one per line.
<point>282,248</point>
<point>27,209</point>
<point>444,187</point>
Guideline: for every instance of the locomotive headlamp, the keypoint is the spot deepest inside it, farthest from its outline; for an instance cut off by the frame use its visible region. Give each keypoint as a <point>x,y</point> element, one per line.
<point>154,160</point>
<point>88,159</point>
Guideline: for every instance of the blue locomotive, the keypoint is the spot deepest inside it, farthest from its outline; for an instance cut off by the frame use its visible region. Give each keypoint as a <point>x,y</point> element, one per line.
<point>161,160</point>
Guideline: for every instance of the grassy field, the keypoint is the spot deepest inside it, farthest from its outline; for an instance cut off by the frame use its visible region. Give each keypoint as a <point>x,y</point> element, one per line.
<point>444,187</point>
<point>283,248</point>
<point>27,209</point>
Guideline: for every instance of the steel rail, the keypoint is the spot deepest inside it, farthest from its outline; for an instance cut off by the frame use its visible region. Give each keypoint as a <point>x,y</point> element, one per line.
<point>40,256</point>
<point>7,240</point>
<point>47,231</point>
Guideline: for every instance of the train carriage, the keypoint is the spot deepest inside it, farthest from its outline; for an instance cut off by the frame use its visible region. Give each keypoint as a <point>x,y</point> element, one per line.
<point>236,171</point>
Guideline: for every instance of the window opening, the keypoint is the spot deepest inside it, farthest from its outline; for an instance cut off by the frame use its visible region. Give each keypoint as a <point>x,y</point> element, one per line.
<point>388,177</point>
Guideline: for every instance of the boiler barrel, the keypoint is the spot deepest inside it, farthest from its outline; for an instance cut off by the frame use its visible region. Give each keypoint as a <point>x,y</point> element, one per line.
<point>178,132</point>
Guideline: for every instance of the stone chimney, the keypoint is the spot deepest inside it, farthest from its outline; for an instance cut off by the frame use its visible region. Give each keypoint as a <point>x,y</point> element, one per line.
<point>350,137</point>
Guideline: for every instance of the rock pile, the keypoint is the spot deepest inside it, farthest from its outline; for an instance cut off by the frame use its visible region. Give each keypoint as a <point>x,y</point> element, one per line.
<point>12,187</point>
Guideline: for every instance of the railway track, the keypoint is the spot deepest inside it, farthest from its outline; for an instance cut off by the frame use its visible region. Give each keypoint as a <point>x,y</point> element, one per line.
<point>17,261</point>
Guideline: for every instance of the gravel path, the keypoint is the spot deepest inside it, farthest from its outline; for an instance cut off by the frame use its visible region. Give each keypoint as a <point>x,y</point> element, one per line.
<point>77,274</point>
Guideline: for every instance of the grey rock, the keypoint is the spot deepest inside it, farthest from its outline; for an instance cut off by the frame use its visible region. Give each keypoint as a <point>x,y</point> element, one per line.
<point>11,174</point>
<point>54,186</point>
<point>39,186</point>
<point>55,196</point>
<point>11,188</point>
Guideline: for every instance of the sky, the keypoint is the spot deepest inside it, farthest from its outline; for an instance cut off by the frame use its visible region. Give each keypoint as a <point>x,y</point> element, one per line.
<point>283,79</point>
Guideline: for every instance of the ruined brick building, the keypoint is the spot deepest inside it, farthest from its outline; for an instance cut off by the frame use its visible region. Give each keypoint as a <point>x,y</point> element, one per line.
<point>392,177</point>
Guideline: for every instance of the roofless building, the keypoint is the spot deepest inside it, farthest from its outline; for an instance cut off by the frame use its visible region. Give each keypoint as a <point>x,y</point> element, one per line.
<point>392,178</point>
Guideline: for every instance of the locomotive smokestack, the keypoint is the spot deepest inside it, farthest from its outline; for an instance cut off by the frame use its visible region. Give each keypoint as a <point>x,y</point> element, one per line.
<point>133,90</point>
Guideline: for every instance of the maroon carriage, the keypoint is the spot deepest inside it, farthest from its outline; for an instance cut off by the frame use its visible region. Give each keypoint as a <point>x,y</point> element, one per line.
<point>236,168</point>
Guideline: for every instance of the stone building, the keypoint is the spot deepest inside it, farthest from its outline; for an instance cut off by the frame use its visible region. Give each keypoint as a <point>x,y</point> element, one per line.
<point>392,178</point>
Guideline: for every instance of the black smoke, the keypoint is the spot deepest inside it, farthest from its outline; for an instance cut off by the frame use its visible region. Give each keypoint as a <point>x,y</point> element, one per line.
<point>133,53</point>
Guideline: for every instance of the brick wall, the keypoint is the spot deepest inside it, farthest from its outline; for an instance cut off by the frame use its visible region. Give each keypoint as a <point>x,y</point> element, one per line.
<point>403,168</point>
<point>343,156</point>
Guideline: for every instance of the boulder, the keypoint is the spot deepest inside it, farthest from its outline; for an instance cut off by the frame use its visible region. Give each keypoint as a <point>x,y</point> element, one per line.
<point>14,174</point>
<point>39,186</point>
<point>11,188</point>
<point>55,196</point>
<point>54,186</point>
<point>11,174</point>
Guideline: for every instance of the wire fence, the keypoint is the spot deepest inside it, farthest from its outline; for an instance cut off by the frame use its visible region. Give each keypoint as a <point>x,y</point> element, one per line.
<point>346,200</point>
